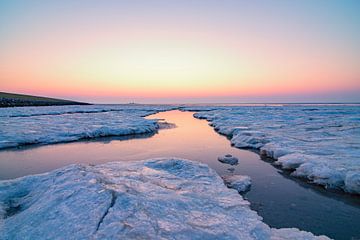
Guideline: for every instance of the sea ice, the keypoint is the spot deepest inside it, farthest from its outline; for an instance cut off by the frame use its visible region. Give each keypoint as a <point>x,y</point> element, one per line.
<point>228,159</point>
<point>46,125</point>
<point>71,109</point>
<point>352,181</point>
<point>152,199</point>
<point>238,182</point>
<point>320,143</point>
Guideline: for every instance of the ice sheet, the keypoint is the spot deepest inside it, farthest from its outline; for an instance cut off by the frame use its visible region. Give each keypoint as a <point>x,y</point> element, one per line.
<point>46,125</point>
<point>152,199</point>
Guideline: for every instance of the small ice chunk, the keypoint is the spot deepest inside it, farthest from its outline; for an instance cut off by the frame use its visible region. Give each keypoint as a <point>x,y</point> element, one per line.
<point>240,183</point>
<point>166,125</point>
<point>228,159</point>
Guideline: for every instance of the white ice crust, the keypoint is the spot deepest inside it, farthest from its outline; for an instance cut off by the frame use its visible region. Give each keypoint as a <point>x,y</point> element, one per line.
<point>152,199</point>
<point>319,143</point>
<point>240,183</point>
<point>47,125</point>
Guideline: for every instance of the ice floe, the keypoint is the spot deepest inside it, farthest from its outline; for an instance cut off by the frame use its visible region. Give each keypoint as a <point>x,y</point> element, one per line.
<point>229,159</point>
<point>320,143</point>
<point>240,183</point>
<point>152,199</point>
<point>46,125</point>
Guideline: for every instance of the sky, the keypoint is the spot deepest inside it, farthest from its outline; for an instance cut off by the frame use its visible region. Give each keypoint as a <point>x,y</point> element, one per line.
<point>182,51</point>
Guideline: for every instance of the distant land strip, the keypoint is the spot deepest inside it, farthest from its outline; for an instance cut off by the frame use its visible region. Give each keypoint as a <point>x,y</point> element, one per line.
<point>21,100</point>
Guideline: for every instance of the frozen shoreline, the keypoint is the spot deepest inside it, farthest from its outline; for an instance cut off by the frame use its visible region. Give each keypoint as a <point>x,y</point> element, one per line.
<point>319,143</point>
<point>48,125</point>
<point>154,199</point>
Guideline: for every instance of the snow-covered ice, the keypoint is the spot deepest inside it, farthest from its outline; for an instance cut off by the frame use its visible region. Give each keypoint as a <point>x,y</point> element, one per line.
<point>152,199</point>
<point>319,142</point>
<point>240,183</point>
<point>228,159</point>
<point>45,125</point>
<point>70,109</point>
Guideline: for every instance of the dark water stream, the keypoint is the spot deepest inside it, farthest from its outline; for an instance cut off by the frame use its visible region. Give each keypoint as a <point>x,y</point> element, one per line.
<point>281,200</point>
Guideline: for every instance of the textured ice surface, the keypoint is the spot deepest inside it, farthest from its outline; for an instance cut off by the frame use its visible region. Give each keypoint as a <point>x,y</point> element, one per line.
<point>240,183</point>
<point>58,110</point>
<point>152,199</point>
<point>320,143</point>
<point>228,159</point>
<point>45,125</point>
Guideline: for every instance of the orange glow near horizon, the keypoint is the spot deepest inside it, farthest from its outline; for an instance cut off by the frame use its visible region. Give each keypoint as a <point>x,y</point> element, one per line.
<point>163,70</point>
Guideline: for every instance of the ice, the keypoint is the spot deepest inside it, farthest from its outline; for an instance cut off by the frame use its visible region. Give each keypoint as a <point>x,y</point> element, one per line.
<point>152,199</point>
<point>320,143</point>
<point>58,110</point>
<point>293,160</point>
<point>238,182</point>
<point>228,159</point>
<point>352,181</point>
<point>291,234</point>
<point>46,125</point>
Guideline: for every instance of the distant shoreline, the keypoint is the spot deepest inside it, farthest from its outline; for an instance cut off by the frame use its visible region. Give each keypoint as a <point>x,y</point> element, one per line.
<point>21,100</point>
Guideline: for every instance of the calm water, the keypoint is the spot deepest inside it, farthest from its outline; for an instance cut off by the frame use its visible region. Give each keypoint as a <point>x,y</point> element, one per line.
<point>279,199</point>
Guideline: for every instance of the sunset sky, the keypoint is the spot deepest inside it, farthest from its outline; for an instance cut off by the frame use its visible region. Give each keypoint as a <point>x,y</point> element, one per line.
<point>182,51</point>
